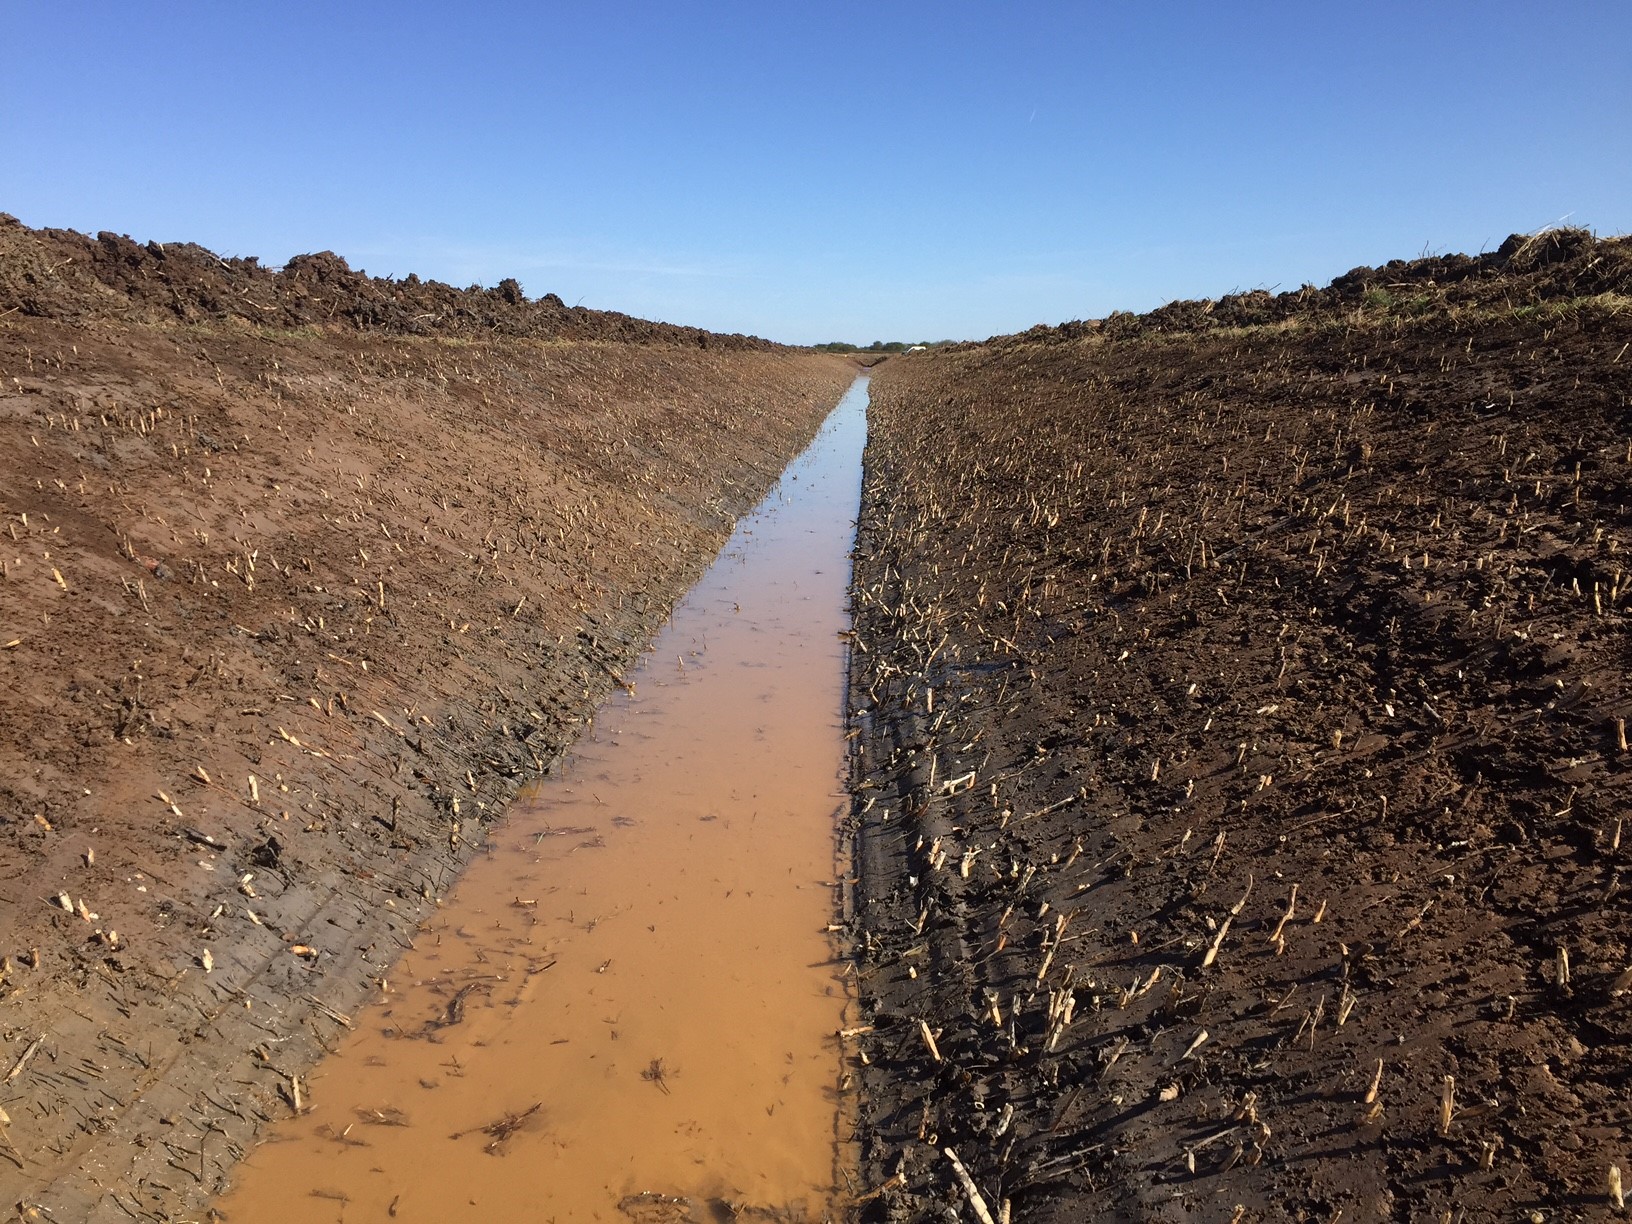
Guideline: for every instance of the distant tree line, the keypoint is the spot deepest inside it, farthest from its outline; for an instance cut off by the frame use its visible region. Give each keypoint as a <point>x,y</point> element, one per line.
<point>877,346</point>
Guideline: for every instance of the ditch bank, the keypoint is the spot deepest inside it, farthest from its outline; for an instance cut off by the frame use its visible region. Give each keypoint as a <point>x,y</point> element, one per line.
<point>288,614</point>
<point>1241,763</point>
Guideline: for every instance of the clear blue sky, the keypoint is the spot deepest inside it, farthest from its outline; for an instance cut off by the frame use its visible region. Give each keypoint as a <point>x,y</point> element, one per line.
<point>812,171</point>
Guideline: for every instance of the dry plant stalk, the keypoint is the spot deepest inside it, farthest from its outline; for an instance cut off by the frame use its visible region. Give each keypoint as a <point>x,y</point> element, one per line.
<point>929,1041</point>
<point>977,1201</point>
<point>297,1095</point>
<point>898,1180</point>
<point>1376,1083</point>
<point>1062,1005</point>
<point>1345,1005</point>
<point>1291,909</point>
<point>1218,942</point>
<point>1060,924</point>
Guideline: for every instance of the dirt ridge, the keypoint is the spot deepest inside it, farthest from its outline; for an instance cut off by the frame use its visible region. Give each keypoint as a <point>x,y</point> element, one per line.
<point>65,275</point>
<point>1525,272</point>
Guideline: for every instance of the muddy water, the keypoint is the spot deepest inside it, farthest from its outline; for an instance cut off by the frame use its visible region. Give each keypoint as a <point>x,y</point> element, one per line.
<point>635,993</point>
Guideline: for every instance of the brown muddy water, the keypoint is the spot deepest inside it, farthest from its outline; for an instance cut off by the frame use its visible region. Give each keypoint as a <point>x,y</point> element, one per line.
<point>633,998</point>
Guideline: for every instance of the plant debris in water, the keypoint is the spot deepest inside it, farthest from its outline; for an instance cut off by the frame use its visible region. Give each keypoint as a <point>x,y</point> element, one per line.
<point>500,1132</point>
<point>657,1074</point>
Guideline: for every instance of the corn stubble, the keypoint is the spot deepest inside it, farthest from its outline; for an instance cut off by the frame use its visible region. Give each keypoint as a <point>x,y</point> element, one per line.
<point>1280,672</point>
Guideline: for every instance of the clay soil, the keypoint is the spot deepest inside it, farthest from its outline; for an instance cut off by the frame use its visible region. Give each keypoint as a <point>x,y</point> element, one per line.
<point>304,573</point>
<point>1242,783</point>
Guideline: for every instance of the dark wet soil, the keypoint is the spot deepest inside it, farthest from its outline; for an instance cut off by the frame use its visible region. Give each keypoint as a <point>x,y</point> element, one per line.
<point>1242,774</point>
<point>286,615</point>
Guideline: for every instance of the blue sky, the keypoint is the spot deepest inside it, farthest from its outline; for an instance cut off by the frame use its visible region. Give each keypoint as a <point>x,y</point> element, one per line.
<point>808,172</point>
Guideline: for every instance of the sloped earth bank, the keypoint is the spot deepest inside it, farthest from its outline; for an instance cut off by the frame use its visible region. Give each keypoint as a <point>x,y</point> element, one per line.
<point>285,618</point>
<point>631,1000</point>
<point>1242,781</point>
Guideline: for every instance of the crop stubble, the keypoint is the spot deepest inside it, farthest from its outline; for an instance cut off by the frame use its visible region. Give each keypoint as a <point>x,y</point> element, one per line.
<point>1242,776</point>
<point>287,612</point>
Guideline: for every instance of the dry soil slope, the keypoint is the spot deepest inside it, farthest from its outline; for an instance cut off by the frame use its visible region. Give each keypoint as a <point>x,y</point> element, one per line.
<point>1242,783</point>
<point>286,613</point>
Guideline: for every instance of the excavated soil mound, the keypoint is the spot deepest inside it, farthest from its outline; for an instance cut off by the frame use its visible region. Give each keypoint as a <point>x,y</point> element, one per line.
<point>64,275</point>
<point>285,617</point>
<point>1521,275</point>
<point>1242,777</point>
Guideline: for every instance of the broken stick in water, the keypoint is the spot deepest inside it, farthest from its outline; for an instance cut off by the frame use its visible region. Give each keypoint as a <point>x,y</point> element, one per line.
<point>502,1129</point>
